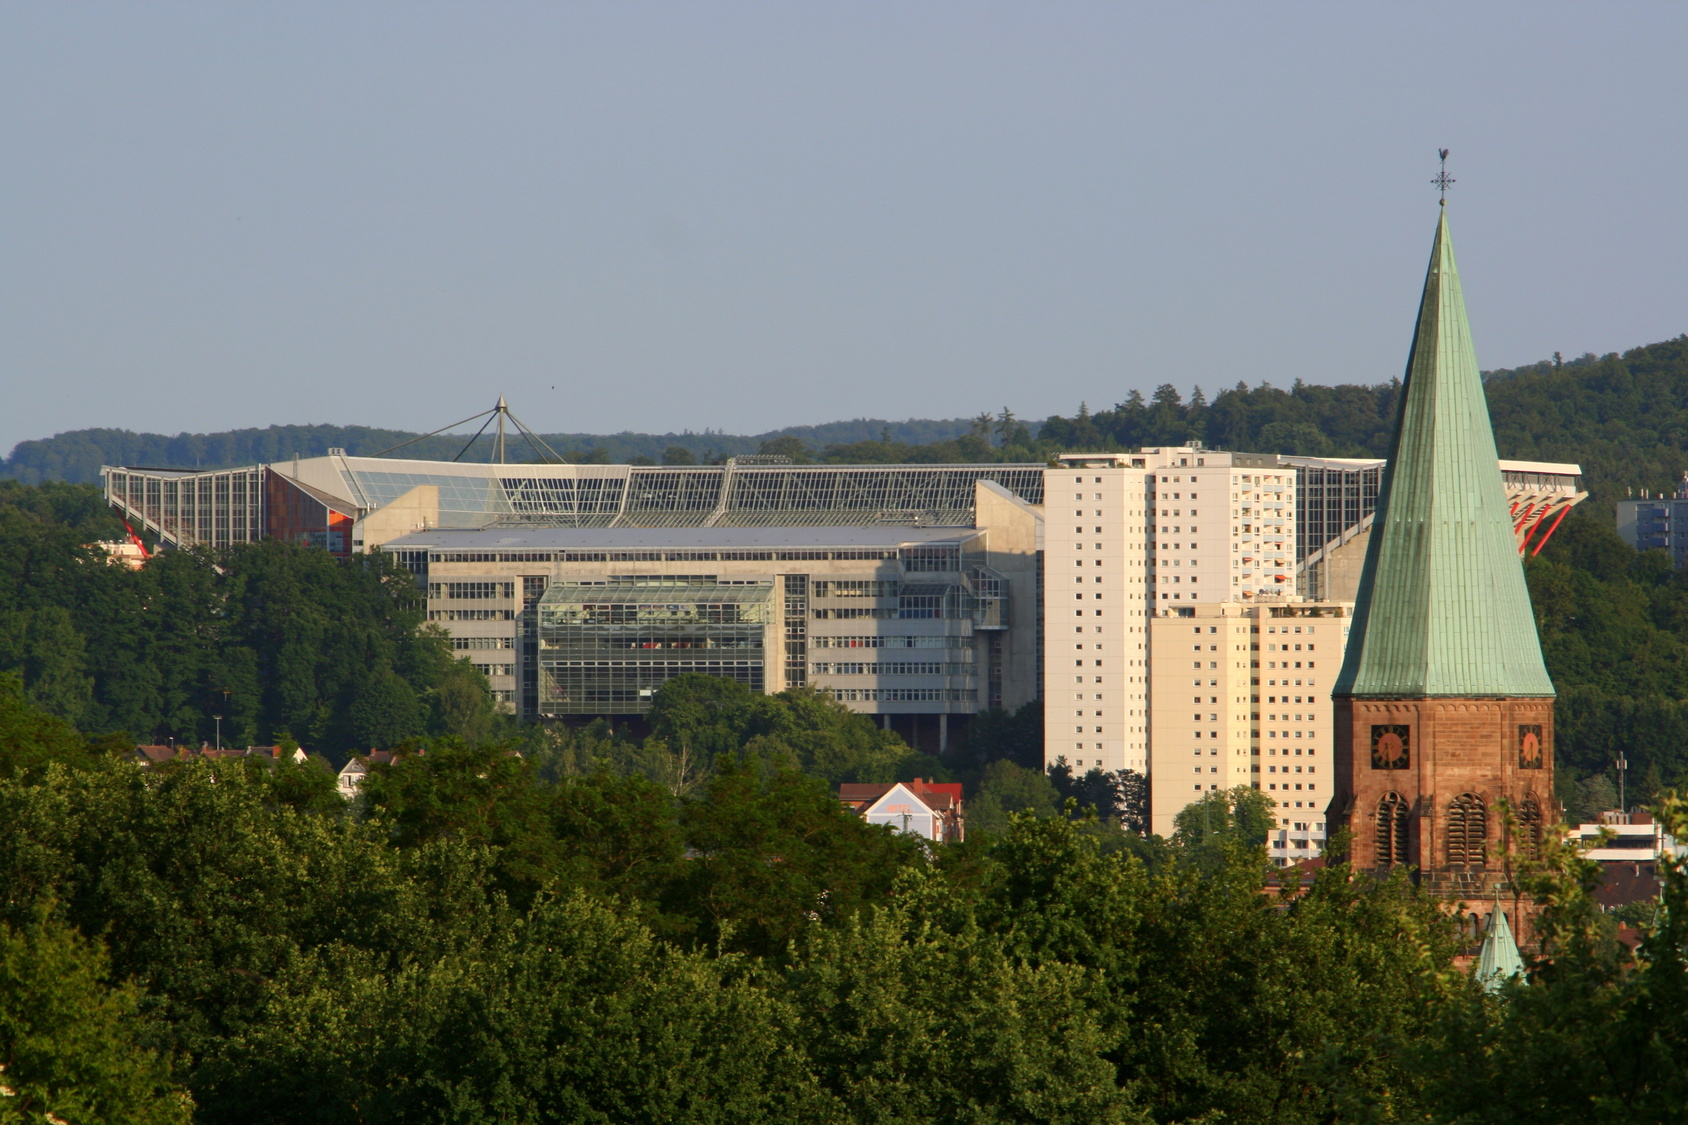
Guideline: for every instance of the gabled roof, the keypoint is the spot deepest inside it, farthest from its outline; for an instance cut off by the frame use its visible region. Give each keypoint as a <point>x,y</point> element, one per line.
<point>1442,608</point>
<point>937,796</point>
<point>155,754</point>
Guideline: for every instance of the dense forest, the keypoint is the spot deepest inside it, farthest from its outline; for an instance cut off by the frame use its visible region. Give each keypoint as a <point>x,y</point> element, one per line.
<point>480,938</point>
<point>282,642</point>
<point>1624,418</point>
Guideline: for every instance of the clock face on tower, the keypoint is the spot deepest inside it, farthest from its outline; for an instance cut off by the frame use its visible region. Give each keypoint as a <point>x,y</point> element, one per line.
<point>1530,754</point>
<point>1390,747</point>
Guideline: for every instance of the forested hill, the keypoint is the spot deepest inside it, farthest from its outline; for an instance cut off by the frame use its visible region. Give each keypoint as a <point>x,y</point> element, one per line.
<point>77,455</point>
<point>1624,418</point>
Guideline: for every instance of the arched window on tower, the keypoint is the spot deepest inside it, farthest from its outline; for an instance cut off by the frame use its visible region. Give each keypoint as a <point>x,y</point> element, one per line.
<point>1529,827</point>
<point>1468,827</point>
<point>1392,829</point>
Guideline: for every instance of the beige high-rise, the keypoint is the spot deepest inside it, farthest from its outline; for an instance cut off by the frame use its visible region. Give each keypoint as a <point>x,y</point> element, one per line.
<point>1241,696</point>
<point>1169,582</point>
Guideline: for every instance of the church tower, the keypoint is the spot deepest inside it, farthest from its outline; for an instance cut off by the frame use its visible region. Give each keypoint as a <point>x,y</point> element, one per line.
<point>1443,706</point>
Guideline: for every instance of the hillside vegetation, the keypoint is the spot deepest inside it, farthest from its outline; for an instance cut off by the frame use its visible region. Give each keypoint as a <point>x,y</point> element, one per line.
<point>77,455</point>
<point>1624,418</point>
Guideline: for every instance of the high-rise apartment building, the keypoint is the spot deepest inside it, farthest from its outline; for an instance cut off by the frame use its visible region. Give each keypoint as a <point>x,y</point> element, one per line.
<point>1251,707</point>
<point>1202,702</point>
<point>1222,525</point>
<point>1127,535</point>
<point>1095,602</point>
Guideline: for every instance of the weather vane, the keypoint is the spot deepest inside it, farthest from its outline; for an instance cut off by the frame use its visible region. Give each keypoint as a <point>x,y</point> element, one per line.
<point>1442,179</point>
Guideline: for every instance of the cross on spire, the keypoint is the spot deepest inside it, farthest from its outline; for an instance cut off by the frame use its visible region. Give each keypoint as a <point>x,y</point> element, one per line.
<point>1442,179</point>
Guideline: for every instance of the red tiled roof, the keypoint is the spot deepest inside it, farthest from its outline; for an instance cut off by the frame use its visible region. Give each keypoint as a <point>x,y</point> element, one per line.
<point>156,754</point>
<point>938,796</point>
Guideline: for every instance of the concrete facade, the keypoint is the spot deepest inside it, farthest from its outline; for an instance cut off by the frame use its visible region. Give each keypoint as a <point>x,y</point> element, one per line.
<point>1129,537</point>
<point>915,625</point>
<point>1096,660</point>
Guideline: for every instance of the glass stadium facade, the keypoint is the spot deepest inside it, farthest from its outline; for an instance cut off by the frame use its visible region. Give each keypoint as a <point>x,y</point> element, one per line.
<point>327,501</point>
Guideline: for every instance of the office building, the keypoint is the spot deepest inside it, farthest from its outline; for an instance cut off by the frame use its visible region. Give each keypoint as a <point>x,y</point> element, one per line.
<point>920,626</point>
<point>1657,523</point>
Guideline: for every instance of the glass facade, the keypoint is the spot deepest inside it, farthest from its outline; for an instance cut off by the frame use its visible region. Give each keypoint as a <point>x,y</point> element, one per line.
<point>705,496</point>
<point>465,501</point>
<point>606,645</point>
<point>216,509</point>
<point>1329,500</point>
<point>225,506</point>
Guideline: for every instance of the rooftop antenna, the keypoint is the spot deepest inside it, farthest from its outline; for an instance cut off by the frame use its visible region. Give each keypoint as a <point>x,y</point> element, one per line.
<point>1443,180</point>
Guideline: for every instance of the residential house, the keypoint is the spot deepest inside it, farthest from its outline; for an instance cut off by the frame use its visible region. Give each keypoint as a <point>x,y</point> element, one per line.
<point>930,810</point>
<point>353,773</point>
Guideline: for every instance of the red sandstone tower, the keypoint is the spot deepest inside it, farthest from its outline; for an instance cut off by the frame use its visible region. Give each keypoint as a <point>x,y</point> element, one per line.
<point>1444,708</point>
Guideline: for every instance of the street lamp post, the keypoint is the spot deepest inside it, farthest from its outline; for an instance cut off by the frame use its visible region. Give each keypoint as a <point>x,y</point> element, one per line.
<point>226,693</point>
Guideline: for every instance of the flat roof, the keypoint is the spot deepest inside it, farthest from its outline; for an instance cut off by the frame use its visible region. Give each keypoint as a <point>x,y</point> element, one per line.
<point>672,538</point>
<point>1550,468</point>
<point>1546,468</point>
<point>592,471</point>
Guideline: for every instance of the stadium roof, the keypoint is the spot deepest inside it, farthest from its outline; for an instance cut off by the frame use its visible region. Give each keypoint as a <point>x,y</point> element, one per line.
<point>674,538</point>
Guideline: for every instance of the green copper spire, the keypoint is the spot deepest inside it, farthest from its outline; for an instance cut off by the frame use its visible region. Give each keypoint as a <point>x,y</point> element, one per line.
<point>1442,608</point>
<point>1498,960</point>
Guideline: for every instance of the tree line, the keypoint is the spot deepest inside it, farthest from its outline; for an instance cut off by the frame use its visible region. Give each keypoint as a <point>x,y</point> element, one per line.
<point>1623,417</point>
<point>75,456</point>
<point>474,941</point>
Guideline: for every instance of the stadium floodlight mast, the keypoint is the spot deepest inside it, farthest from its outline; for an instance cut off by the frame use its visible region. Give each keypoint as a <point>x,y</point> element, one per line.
<point>498,414</point>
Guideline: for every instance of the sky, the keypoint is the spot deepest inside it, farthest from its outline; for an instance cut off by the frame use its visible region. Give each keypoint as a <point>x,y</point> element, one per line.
<point>741,216</point>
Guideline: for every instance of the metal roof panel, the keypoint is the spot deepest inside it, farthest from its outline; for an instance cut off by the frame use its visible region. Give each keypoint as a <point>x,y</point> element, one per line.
<point>1442,608</point>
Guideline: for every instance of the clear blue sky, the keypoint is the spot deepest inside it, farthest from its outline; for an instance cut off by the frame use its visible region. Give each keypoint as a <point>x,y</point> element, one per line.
<point>743,216</point>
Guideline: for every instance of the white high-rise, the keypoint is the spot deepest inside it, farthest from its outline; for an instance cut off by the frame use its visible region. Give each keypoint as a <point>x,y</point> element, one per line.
<point>1095,605</point>
<point>1129,537</point>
